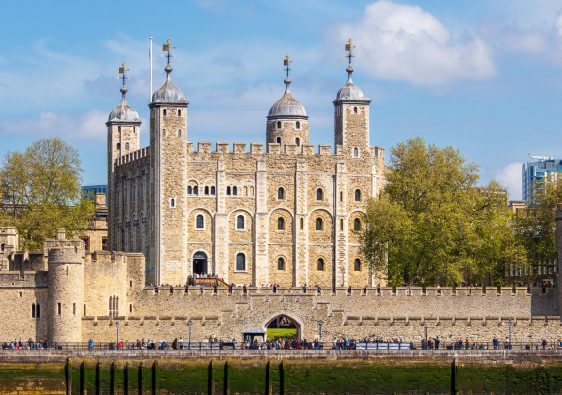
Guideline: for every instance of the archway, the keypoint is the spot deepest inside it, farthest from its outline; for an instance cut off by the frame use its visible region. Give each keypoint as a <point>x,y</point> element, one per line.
<point>283,326</point>
<point>200,265</point>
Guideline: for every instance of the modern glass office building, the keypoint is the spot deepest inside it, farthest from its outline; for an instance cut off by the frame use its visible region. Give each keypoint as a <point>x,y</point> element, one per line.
<point>538,170</point>
<point>89,191</point>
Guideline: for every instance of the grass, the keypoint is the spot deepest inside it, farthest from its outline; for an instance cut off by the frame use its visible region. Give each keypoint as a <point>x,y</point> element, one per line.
<point>277,333</point>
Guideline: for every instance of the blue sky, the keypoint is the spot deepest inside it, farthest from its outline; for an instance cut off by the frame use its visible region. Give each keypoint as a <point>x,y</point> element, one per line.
<point>483,76</point>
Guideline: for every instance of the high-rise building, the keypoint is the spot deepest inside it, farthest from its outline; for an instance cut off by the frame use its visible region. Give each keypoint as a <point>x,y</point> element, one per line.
<point>538,170</point>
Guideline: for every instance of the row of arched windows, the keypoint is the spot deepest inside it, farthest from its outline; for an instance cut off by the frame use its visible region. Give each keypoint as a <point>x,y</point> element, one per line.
<point>165,112</point>
<point>207,190</point>
<point>319,194</point>
<point>321,265</point>
<point>35,310</point>
<point>279,124</point>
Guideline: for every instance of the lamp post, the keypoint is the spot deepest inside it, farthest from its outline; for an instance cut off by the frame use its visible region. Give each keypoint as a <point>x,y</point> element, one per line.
<point>510,323</point>
<point>189,340</point>
<point>320,322</point>
<point>117,328</point>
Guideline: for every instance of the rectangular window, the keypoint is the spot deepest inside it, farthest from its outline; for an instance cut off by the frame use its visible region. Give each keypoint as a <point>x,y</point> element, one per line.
<point>104,243</point>
<point>33,310</point>
<point>73,308</point>
<point>38,311</point>
<point>130,308</point>
<point>84,309</point>
<point>59,308</point>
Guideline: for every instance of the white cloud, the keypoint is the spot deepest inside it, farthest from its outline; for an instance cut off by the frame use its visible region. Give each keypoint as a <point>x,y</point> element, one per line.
<point>403,42</point>
<point>90,126</point>
<point>510,177</point>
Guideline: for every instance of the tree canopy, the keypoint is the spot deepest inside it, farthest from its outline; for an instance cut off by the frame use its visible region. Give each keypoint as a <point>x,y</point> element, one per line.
<point>432,224</point>
<point>41,192</point>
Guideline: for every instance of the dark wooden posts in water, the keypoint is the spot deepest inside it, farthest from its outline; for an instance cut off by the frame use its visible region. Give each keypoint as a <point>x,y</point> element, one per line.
<point>112,378</point>
<point>210,380</point>
<point>139,376</point>
<point>281,379</point>
<point>268,387</point>
<point>97,379</point>
<point>67,379</point>
<point>82,378</point>
<point>454,377</point>
<point>226,389</point>
<point>126,379</point>
<point>155,377</point>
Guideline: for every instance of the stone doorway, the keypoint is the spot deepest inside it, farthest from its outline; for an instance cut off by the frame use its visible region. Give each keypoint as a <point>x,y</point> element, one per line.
<point>200,265</point>
<point>283,326</point>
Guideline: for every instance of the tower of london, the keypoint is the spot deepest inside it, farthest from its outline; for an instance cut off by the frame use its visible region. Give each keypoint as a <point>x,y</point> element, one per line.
<point>283,212</point>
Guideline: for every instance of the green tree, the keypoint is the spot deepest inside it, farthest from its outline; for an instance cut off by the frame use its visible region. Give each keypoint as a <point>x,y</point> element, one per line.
<point>41,192</point>
<point>536,225</point>
<point>432,224</point>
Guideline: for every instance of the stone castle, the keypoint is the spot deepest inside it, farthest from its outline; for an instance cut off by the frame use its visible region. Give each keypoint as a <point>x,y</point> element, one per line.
<point>282,215</point>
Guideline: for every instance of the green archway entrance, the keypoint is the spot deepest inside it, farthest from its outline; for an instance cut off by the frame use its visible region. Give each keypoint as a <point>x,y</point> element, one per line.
<point>283,326</point>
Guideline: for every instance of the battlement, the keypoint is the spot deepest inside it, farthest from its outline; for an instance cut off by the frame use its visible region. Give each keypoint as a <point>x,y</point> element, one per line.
<point>132,156</point>
<point>256,149</point>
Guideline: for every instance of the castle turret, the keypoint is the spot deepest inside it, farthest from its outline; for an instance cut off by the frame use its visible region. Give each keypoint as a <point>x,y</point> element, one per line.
<point>287,121</point>
<point>66,289</point>
<point>168,131</point>
<point>123,137</point>
<point>351,114</point>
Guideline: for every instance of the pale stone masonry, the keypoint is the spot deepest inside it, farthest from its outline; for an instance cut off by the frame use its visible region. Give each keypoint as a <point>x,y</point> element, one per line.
<point>284,213</point>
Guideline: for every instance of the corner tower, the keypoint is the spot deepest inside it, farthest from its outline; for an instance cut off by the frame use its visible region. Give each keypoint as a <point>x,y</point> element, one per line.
<point>123,137</point>
<point>168,130</point>
<point>287,121</point>
<point>351,113</point>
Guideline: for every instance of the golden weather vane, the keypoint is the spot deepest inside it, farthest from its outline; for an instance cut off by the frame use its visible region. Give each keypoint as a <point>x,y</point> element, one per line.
<point>123,72</point>
<point>286,62</point>
<point>349,49</point>
<point>167,47</point>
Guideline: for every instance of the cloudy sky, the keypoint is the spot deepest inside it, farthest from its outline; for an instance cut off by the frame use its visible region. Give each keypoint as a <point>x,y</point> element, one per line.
<point>483,76</point>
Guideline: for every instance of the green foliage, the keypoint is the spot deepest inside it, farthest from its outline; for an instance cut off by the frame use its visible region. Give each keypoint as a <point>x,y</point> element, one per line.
<point>278,333</point>
<point>40,191</point>
<point>536,226</point>
<point>433,225</point>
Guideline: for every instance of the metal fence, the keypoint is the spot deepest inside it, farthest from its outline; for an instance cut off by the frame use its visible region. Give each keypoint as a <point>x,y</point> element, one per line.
<point>287,345</point>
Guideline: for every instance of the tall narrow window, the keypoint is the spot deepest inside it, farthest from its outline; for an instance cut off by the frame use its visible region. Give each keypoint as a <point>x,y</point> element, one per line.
<point>319,194</point>
<point>356,152</point>
<point>341,196</point>
<point>356,224</point>
<point>59,308</point>
<point>38,310</point>
<point>281,263</point>
<point>206,190</point>
<point>189,189</point>
<point>228,190</point>
<point>240,261</point>
<point>319,224</point>
<point>280,223</point>
<point>235,190</point>
<point>320,265</point>
<point>240,222</point>
<point>179,112</point>
<point>179,132</point>
<point>196,190</point>
<point>302,223</point>
<point>281,193</point>
<point>355,110</point>
<point>298,124</point>
<point>279,125</point>
<point>341,224</point>
<point>127,146</point>
<point>73,308</point>
<point>172,202</point>
<point>84,309</point>
<point>358,195</point>
<point>33,310</point>
<point>298,142</point>
<point>164,112</point>
<point>357,265</point>
<point>212,190</point>
<point>278,140</point>
<point>199,222</point>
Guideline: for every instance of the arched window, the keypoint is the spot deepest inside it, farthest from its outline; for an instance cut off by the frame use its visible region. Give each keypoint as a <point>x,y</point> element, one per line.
<point>213,190</point>
<point>356,224</point>
<point>319,224</point>
<point>165,112</point>
<point>280,223</point>
<point>33,310</point>
<point>2,247</point>
<point>189,189</point>
<point>127,146</point>
<point>240,222</point>
<point>206,190</point>
<point>179,132</point>
<point>298,124</point>
<point>278,124</point>
<point>179,112</point>
<point>240,261</point>
<point>278,140</point>
<point>357,265</point>
<point>298,142</point>
<point>355,110</point>
<point>172,202</point>
<point>196,190</point>
<point>281,193</point>
<point>320,265</point>
<point>281,263</point>
<point>356,152</point>
<point>38,311</point>
<point>319,194</point>
<point>118,145</point>
<point>235,191</point>
<point>341,224</point>
<point>199,222</point>
<point>228,190</point>
<point>358,195</point>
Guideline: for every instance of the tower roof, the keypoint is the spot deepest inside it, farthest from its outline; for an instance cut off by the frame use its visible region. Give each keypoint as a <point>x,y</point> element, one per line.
<point>168,93</point>
<point>123,112</point>
<point>287,106</point>
<point>350,91</point>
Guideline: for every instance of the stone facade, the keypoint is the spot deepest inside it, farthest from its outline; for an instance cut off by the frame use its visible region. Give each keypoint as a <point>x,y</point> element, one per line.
<point>286,213</point>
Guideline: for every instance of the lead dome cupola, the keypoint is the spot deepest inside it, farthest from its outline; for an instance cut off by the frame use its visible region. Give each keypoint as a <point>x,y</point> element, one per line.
<point>350,91</point>
<point>123,112</point>
<point>287,106</point>
<point>168,93</point>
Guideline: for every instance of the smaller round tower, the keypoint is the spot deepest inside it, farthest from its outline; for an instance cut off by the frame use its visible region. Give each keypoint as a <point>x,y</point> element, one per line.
<point>66,289</point>
<point>287,121</point>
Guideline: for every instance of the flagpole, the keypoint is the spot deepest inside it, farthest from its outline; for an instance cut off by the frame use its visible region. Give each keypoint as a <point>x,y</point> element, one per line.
<point>150,58</point>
